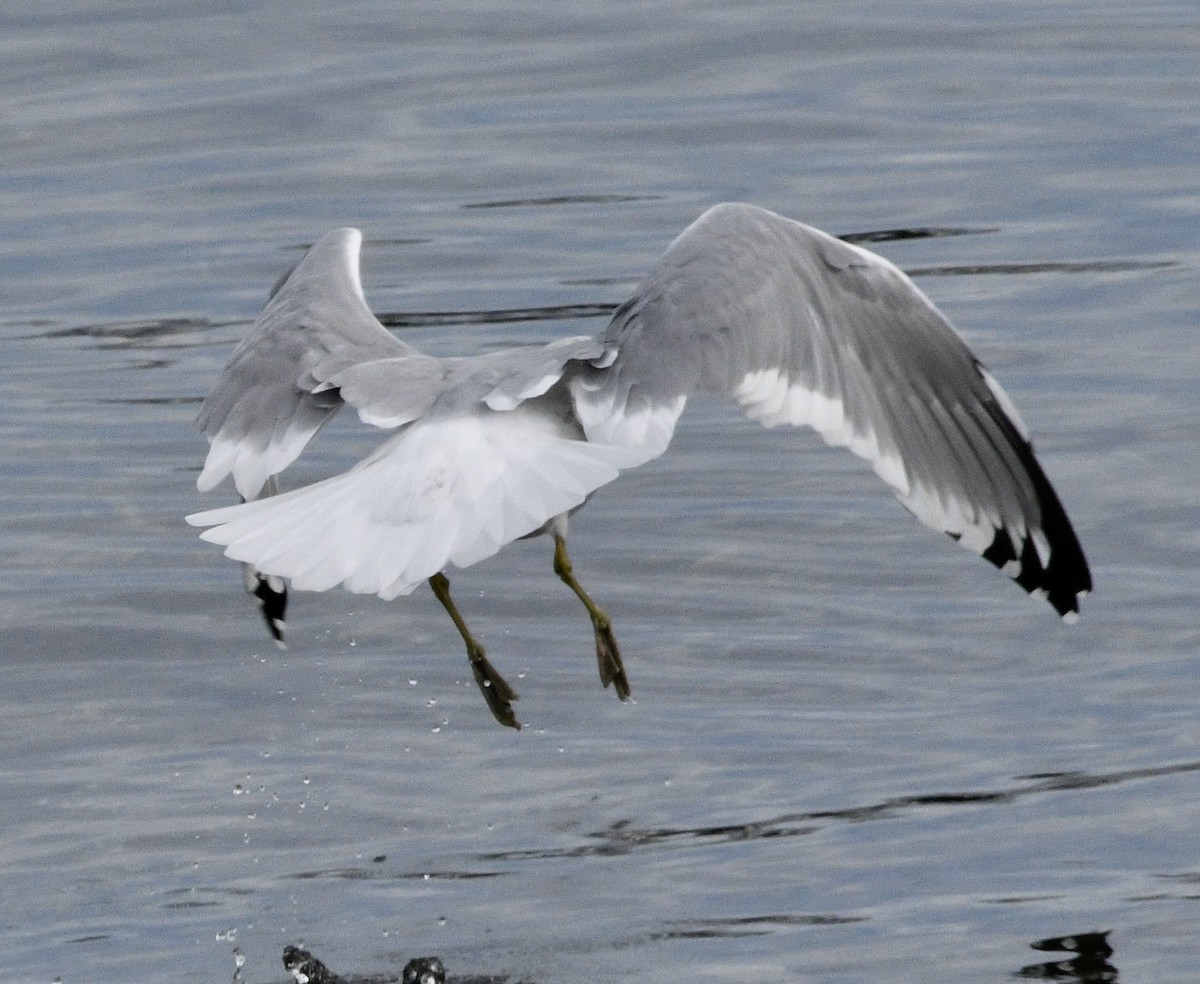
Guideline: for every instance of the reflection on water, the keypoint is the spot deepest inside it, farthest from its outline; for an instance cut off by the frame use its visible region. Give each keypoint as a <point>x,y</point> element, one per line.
<point>1089,965</point>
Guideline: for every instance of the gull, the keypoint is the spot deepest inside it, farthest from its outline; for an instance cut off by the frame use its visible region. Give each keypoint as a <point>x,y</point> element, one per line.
<point>796,326</point>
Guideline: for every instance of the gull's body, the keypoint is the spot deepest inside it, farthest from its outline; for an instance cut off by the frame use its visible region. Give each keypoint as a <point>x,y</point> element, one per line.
<point>796,326</point>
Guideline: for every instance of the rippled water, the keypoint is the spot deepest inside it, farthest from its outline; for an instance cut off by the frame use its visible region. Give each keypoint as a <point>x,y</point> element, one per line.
<point>854,754</point>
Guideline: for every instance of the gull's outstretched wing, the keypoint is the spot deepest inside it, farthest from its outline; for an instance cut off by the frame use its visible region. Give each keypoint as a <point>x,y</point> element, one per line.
<point>317,345</point>
<point>801,328</point>
<point>274,394</point>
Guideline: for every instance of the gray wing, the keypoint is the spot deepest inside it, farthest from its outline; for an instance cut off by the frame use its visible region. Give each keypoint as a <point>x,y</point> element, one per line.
<point>801,328</point>
<point>317,345</point>
<point>273,395</point>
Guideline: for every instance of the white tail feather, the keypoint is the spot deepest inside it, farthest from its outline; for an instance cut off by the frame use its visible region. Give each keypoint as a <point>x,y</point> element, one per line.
<point>444,491</point>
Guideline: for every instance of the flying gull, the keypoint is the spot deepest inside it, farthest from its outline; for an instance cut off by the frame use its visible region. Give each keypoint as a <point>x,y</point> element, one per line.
<point>796,326</point>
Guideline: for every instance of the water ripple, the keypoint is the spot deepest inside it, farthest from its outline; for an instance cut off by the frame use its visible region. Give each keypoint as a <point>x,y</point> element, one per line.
<point>623,838</point>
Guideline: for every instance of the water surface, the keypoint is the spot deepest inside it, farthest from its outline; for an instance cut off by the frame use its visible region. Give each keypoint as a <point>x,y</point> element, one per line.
<point>854,754</point>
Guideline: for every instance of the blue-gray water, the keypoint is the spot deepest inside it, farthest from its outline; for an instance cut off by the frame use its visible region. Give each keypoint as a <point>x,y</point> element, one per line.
<point>855,753</point>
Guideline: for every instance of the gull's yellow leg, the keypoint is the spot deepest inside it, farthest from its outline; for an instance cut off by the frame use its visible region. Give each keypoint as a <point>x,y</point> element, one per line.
<point>608,656</point>
<point>496,691</point>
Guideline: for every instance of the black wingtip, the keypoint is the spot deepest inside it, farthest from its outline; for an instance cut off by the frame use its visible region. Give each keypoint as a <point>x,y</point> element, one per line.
<point>271,592</point>
<point>1058,571</point>
<point>1064,576</point>
<point>1062,580</point>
